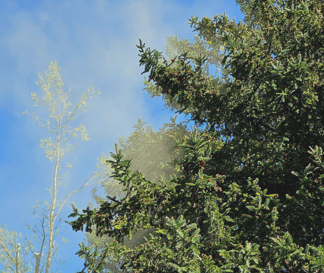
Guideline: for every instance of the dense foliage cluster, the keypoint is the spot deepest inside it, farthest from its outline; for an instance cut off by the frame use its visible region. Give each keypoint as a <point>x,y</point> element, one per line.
<point>251,194</point>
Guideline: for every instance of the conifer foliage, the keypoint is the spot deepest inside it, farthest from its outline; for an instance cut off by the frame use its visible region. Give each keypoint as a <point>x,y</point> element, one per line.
<point>252,201</point>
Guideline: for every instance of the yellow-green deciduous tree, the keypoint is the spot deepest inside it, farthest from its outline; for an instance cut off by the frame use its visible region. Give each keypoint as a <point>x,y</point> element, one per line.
<point>61,115</point>
<point>12,255</point>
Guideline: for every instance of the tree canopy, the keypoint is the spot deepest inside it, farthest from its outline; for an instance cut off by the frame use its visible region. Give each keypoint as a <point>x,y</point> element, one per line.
<point>152,153</point>
<point>253,200</point>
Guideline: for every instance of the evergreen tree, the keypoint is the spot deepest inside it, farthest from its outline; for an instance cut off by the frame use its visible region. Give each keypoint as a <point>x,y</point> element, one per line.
<point>153,153</point>
<point>253,201</point>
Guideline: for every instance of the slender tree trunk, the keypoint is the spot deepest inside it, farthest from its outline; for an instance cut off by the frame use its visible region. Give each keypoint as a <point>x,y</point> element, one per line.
<point>17,259</point>
<point>37,257</point>
<point>52,220</point>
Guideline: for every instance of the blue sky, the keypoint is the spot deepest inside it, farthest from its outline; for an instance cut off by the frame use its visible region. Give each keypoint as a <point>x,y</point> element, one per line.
<point>94,44</point>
